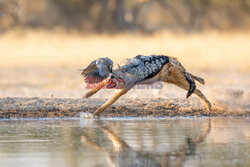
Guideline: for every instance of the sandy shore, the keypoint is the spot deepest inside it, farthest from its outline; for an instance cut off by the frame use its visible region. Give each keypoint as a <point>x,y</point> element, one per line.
<point>159,107</point>
<point>45,64</point>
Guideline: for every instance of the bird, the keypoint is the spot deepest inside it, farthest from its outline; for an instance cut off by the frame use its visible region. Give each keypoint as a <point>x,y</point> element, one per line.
<point>2,14</point>
<point>139,70</point>
<point>97,70</point>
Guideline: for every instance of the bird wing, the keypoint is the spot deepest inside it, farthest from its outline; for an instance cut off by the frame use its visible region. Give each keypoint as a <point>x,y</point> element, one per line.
<point>97,70</point>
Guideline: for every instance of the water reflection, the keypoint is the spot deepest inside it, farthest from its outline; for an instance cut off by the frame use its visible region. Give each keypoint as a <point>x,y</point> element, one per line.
<point>167,142</point>
<point>122,154</point>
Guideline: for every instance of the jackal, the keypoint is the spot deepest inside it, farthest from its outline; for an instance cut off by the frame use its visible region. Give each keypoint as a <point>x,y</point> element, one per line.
<point>139,70</point>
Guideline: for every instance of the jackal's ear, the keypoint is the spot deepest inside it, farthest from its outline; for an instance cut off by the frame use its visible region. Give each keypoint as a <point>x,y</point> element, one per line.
<point>120,68</point>
<point>175,58</point>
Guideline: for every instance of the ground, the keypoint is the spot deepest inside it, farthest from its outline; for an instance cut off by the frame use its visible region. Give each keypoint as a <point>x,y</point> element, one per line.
<point>40,74</point>
<point>142,107</point>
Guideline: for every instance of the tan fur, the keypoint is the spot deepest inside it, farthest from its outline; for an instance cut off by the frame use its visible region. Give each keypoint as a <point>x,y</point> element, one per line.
<point>172,72</point>
<point>98,87</point>
<point>201,80</point>
<point>111,101</point>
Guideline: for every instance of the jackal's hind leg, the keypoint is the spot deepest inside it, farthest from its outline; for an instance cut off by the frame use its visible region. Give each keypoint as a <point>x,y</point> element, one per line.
<point>185,85</point>
<point>203,97</point>
<point>199,79</point>
<point>110,101</point>
<point>177,76</point>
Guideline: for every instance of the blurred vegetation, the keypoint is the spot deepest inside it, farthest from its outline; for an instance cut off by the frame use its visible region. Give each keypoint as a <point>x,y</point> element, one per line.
<point>125,15</point>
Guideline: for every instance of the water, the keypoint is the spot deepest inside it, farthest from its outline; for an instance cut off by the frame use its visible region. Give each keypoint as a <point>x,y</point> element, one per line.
<point>123,142</point>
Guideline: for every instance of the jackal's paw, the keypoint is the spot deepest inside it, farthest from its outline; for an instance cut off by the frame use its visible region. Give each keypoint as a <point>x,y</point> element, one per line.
<point>96,116</point>
<point>208,111</point>
<point>89,117</point>
<point>209,107</point>
<point>202,81</point>
<point>85,115</point>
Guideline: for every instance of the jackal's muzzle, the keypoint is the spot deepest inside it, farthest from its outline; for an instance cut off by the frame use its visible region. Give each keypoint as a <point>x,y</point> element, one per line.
<point>114,83</point>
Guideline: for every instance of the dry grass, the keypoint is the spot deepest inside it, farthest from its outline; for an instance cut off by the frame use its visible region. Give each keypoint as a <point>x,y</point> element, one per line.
<point>39,63</point>
<point>210,51</point>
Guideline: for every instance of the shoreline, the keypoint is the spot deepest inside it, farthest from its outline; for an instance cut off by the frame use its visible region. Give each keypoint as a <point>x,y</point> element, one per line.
<point>35,107</point>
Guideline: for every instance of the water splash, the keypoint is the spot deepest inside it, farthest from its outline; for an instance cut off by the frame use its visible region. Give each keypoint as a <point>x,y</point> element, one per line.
<point>237,100</point>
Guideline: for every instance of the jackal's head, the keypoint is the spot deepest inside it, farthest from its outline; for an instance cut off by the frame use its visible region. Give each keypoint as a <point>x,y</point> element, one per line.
<point>116,79</point>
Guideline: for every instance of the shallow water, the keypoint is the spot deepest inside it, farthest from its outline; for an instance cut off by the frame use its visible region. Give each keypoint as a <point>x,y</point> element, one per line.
<point>123,142</point>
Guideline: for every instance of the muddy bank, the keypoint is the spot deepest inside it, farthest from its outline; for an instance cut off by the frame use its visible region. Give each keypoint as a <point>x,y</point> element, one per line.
<point>160,107</point>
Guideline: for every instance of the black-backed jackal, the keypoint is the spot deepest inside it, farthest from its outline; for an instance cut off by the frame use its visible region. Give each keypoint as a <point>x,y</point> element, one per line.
<point>139,70</point>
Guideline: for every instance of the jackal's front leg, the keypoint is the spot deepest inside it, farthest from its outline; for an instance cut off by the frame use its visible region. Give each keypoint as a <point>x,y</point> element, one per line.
<point>111,101</point>
<point>96,89</point>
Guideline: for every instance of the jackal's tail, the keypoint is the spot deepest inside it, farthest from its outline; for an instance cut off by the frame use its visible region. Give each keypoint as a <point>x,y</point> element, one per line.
<point>191,82</point>
<point>190,78</point>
